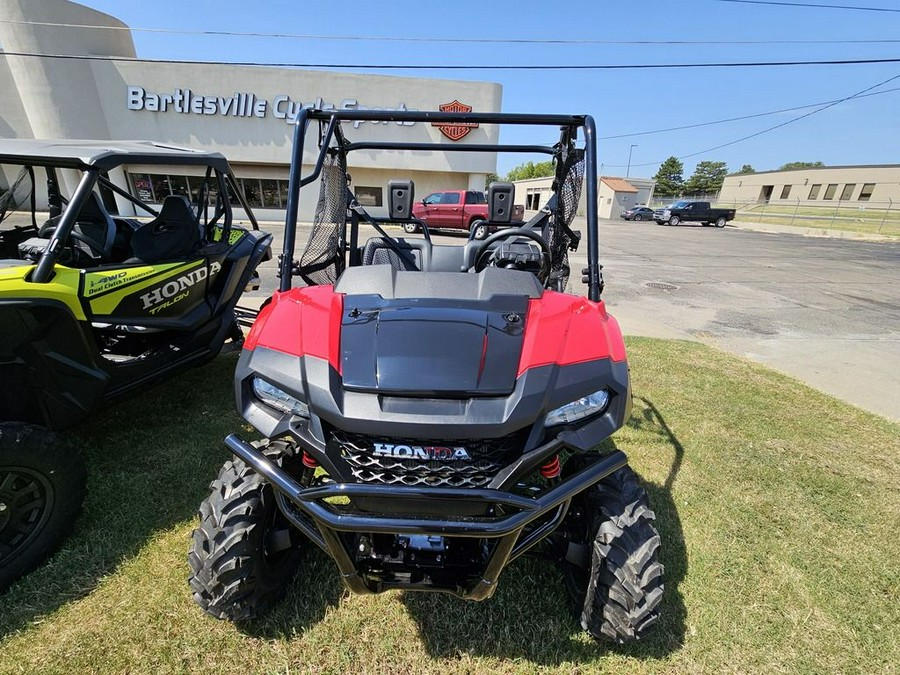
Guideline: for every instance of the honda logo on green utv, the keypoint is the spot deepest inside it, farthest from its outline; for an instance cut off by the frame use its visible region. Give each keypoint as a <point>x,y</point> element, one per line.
<point>168,292</point>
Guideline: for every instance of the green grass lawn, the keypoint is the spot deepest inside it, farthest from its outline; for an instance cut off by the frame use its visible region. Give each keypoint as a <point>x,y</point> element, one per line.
<point>778,508</point>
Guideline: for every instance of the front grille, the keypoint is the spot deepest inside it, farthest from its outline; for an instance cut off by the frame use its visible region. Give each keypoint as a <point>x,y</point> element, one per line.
<point>486,459</point>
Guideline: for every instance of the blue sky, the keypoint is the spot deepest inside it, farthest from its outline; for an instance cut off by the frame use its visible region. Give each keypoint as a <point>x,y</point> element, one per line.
<point>863,131</point>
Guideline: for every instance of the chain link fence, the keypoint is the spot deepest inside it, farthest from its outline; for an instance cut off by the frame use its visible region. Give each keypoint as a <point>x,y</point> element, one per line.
<point>878,217</point>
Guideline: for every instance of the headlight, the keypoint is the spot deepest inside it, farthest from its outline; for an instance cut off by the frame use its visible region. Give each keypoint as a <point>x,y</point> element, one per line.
<point>274,397</point>
<point>586,406</point>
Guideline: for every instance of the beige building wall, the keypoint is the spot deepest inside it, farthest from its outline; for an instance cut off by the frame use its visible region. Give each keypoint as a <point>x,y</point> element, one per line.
<point>246,113</point>
<point>534,193</point>
<point>827,186</point>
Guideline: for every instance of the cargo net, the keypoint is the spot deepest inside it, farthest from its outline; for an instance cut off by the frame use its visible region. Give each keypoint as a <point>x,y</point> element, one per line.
<point>323,259</point>
<point>569,179</point>
<point>17,194</point>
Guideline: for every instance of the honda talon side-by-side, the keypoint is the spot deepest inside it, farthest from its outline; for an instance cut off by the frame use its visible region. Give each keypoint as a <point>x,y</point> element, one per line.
<point>432,412</point>
<point>103,289</point>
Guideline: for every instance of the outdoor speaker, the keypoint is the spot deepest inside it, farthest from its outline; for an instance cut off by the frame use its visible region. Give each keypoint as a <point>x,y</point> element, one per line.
<point>400,198</point>
<point>500,202</point>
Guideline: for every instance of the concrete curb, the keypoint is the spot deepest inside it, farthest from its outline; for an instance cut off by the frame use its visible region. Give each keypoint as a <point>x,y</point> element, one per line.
<point>810,231</point>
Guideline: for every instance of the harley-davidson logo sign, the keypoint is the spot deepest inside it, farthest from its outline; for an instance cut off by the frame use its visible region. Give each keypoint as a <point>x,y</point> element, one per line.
<point>455,130</point>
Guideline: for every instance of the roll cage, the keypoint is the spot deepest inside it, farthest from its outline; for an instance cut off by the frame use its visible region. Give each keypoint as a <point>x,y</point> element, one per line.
<point>331,244</point>
<point>93,161</point>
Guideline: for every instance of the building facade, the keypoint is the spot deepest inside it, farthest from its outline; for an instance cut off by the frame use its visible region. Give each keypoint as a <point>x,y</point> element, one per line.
<point>614,195</point>
<point>244,112</point>
<point>822,186</point>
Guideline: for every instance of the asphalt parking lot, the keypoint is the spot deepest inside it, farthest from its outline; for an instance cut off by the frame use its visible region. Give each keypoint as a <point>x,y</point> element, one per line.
<point>826,311</point>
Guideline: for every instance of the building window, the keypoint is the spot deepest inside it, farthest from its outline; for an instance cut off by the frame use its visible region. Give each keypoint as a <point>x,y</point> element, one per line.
<point>270,198</point>
<point>814,191</point>
<point>866,193</point>
<point>141,187</point>
<point>195,184</point>
<point>179,185</point>
<point>252,192</point>
<point>830,190</point>
<point>848,191</point>
<point>786,192</point>
<point>370,196</point>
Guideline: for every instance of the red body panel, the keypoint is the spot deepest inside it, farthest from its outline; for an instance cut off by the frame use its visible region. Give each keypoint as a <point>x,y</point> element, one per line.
<point>301,321</point>
<point>566,329</point>
<point>560,329</point>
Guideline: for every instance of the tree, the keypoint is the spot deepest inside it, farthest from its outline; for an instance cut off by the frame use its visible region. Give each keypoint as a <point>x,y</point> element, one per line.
<point>670,178</point>
<point>745,170</point>
<point>531,170</point>
<point>707,178</point>
<point>490,178</point>
<point>800,165</point>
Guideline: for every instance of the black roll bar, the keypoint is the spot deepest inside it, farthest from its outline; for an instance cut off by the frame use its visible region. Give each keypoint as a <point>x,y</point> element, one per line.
<point>44,271</point>
<point>568,124</point>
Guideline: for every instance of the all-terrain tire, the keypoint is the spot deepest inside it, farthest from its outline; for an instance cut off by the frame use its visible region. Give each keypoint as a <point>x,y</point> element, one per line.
<point>617,595</point>
<point>674,220</point>
<point>234,575</point>
<point>42,481</point>
<point>480,232</point>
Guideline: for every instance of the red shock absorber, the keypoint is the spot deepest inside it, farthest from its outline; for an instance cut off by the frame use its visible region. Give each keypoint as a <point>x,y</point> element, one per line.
<point>309,461</point>
<point>551,469</point>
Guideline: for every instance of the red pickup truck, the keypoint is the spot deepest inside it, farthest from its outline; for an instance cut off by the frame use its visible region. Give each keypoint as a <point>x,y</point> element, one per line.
<point>457,210</point>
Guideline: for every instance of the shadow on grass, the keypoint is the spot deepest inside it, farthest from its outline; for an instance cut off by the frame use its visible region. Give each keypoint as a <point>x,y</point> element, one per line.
<point>150,460</point>
<point>316,587</point>
<point>530,617</point>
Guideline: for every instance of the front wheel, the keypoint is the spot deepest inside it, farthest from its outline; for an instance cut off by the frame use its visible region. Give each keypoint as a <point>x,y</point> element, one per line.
<point>720,222</point>
<point>244,552</point>
<point>617,584</point>
<point>674,220</point>
<point>410,228</point>
<point>42,480</point>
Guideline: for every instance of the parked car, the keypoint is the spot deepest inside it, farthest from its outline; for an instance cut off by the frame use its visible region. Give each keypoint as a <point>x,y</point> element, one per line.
<point>688,211</point>
<point>457,210</point>
<point>638,213</point>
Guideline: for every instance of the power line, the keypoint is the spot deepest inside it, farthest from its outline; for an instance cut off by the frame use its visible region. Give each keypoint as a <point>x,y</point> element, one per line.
<point>385,38</point>
<point>777,126</point>
<point>443,66</point>
<point>735,119</point>
<point>811,5</point>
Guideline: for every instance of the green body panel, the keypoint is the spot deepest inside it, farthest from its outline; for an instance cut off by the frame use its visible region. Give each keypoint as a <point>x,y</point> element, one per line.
<point>62,288</point>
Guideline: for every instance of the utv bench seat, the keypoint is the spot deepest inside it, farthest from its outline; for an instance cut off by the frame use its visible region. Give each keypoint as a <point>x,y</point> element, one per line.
<point>389,283</point>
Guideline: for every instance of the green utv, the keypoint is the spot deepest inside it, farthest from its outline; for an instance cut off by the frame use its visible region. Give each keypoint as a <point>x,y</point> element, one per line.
<point>103,289</point>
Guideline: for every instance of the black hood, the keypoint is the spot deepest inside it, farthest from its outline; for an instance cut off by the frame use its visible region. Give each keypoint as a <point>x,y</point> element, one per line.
<point>432,347</point>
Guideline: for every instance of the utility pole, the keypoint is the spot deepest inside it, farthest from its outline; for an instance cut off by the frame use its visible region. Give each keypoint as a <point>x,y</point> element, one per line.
<point>628,170</point>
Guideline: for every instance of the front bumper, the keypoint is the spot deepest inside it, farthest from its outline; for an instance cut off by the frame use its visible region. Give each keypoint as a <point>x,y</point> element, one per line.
<point>516,523</point>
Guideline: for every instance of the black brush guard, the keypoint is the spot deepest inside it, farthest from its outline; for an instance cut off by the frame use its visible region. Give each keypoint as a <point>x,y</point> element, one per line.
<point>322,522</point>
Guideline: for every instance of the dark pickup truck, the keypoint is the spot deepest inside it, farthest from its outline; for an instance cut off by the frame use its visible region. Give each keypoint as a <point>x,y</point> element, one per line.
<point>696,212</point>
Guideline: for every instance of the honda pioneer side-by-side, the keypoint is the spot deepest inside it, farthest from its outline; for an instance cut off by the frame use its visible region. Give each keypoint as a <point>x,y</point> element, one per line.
<point>432,412</point>
<point>103,289</point>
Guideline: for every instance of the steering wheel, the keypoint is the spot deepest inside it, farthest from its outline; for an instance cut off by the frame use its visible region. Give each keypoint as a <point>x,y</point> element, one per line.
<point>483,252</point>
